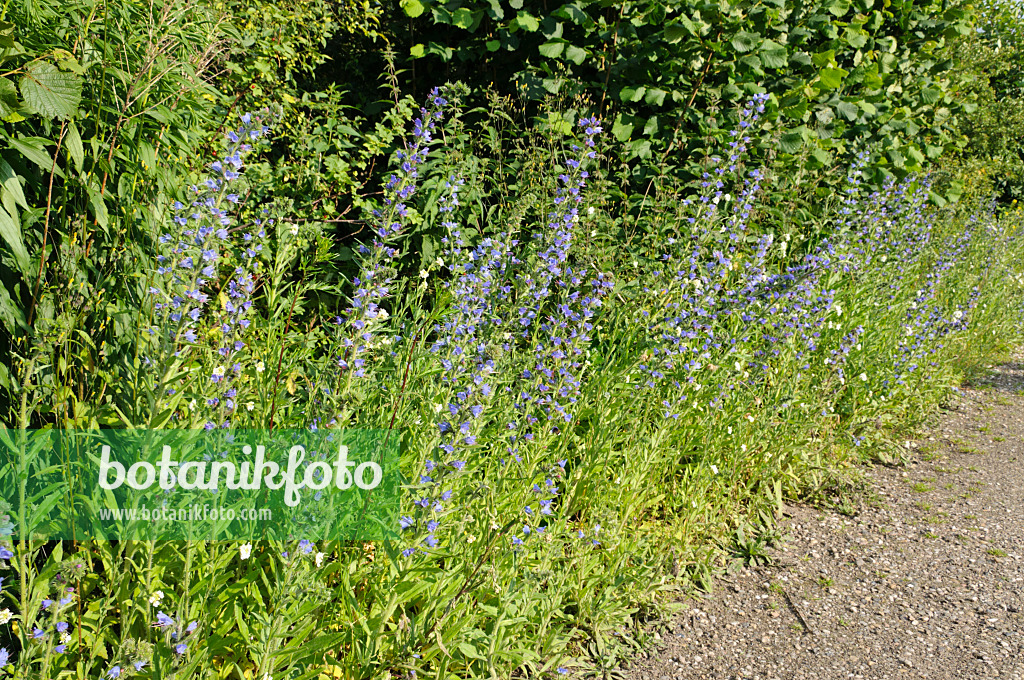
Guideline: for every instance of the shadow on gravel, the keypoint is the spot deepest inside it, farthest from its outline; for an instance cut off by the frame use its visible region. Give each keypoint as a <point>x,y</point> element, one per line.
<point>1008,377</point>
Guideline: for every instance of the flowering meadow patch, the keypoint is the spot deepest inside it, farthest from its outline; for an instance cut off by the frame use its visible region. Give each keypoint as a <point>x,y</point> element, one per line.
<point>571,427</point>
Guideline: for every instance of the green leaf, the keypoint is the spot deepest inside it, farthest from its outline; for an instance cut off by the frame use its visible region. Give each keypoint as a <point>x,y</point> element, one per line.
<point>416,51</point>
<point>855,38</point>
<point>676,32</point>
<point>621,130</point>
<point>832,78</point>
<point>99,207</point>
<point>10,232</point>
<point>839,7</point>
<point>11,184</point>
<point>744,41</point>
<point>773,55</point>
<point>50,92</point>
<point>632,94</point>
<point>823,59</point>
<point>821,156</point>
<point>655,96</point>
<point>527,22</point>
<point>552,49</point>
<point>930,95</point>
<point>848,110</point>
<point>463,18</point>
<point>73,143</point>
<point>492,45</point>
<point>570,12</point>
<point>34,149</point>
<point>791,142</point>
<point>8,97</point>
<point>412,8</point>
<point>575,54</point>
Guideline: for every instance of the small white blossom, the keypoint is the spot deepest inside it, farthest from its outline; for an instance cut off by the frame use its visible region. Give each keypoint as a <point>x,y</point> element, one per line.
<point>245,550</point>
<point>156,598</point>
<point>319,559</point>
<point>260,367</point>
<point>5,616</point>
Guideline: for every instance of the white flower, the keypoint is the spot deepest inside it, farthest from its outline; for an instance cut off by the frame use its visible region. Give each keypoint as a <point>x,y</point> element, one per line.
<point>424,274</point>
<point>382,314</point>
<point>470,538</point>
<point>192,405</point>
<point>864,377</point>
<point>714,469</point>
<point>65,637</point>
<point>590,210</point>
<point>440,262</point>
<point>743,448</point>
<point>250,405</point>
<point>319,559</point>
<point>260,367</point>
<point>245,550</point>
<point>958,315</point>
<point>5,616</point>
<point>494,526</point>
<point>219,371</point>
<point>156,598</point>
<point>294,229</point>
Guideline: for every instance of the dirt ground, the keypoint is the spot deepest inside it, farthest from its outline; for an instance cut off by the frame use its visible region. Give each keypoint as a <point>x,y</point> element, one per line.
<point>924,581</point>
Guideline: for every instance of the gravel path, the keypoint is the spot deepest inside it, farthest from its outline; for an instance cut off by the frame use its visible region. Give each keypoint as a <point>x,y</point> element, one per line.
<point>926,581</point>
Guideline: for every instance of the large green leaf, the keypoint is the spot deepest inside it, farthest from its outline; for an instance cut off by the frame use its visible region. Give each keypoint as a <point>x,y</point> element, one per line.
<point>773,55</point>
<point>11,184</point>
<point>832,78</point>
<point>744,41</point>
<point>50,92</point>
<point>412,8</point>
<point>10,232</point>
<point>8,97</point>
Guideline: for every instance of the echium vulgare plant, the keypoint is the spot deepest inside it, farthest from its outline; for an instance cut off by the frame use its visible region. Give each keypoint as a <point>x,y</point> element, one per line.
<point>555,310</point>
<point>695,291</point>
<point>360,328</point>
<point>465,347</point>
<point>556,306</point>
<point>202,292</point>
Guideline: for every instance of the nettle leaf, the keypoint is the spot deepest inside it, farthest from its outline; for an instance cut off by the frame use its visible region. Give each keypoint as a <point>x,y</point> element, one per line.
<point>744,41</point>
<point>50,92</point>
